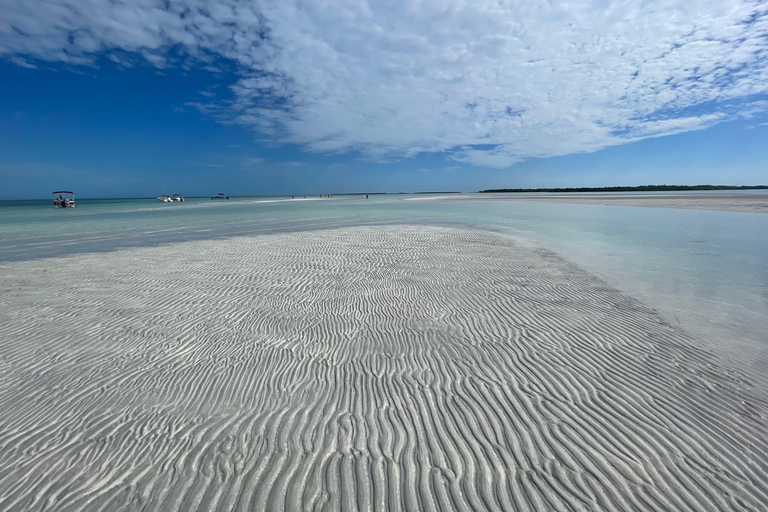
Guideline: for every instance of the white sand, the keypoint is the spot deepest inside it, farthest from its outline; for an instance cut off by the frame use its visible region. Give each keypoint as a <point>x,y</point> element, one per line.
<point>388,368</point>
<point>723,201</point>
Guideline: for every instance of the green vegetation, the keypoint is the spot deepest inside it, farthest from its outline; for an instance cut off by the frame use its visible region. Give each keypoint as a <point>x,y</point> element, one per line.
<point>642,188</point>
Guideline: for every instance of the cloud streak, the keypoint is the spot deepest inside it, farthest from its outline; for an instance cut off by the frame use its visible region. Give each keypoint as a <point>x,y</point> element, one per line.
<point>488,83</point>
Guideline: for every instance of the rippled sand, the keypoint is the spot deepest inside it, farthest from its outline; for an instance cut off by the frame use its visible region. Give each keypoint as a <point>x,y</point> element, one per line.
<point>387,368</point>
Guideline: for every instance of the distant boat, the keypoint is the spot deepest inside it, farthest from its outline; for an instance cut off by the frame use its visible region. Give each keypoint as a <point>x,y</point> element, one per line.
<point>219,196</point>
<point>165,198</point>
<point>66,199</point>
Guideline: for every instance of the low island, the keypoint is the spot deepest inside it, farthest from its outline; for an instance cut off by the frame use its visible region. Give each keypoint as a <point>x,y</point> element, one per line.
<point>641,188</point>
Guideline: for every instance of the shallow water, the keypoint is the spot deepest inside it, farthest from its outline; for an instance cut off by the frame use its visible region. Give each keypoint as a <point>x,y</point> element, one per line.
<point>706,270</point>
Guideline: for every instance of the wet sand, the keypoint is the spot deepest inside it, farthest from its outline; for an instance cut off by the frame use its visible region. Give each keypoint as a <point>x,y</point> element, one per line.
<point>379,368</point>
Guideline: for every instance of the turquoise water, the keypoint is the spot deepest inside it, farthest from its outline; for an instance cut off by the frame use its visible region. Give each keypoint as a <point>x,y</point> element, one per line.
<point>702,268</point>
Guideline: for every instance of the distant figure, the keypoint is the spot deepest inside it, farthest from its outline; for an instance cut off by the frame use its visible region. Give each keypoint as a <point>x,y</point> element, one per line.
<point>305,197</point>
<point>292,197</point>
<point>366,196</point>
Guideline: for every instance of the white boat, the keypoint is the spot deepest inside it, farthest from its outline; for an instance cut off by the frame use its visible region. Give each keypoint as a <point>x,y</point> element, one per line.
<point>165,198</point>
<point>220,195</point>
<point>66,199</point>
<point>177,197</point>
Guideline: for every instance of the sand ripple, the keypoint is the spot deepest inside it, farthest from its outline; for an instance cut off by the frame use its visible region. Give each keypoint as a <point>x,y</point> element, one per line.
<point>394,368</point>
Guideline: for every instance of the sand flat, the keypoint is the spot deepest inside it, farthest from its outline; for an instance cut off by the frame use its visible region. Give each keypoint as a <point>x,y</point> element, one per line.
<point>378,368</point>
<point>721,201</point>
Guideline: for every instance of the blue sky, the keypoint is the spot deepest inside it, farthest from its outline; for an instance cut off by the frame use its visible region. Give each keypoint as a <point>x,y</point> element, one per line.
<point>134,99</point>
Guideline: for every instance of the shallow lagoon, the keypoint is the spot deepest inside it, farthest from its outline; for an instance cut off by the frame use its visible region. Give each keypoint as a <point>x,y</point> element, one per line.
<point>706,270</point>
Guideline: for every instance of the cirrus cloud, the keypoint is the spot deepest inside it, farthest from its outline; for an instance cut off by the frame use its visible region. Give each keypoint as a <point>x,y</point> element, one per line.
<point>486,82</point>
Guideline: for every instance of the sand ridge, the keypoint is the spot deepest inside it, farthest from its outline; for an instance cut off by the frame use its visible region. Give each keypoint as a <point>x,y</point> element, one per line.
<point>378,368</point>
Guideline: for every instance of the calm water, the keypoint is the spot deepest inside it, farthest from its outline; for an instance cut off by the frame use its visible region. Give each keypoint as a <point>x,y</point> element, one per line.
<point>706,270</point>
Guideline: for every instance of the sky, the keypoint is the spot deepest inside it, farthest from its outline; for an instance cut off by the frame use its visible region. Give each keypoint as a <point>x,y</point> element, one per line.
<point>115,98</point>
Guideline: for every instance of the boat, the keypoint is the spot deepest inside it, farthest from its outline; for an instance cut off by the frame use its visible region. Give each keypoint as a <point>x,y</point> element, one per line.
<point>165,198</point>
<point>219,196</point>
<point>65,199</point>
<point>177,197</point>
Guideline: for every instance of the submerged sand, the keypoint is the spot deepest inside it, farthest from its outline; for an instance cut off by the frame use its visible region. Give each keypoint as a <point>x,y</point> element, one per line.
<point>387,368</point>
<point>721,201</point>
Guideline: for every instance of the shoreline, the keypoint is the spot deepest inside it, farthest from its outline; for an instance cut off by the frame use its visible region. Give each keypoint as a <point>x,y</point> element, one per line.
<point>395,367</point>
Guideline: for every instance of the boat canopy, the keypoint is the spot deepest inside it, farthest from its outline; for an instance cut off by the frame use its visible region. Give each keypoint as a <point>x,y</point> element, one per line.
<point>63,192</point>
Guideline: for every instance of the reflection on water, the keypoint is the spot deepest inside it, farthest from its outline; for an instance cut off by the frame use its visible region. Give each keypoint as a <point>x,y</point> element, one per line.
<point>705,269</point>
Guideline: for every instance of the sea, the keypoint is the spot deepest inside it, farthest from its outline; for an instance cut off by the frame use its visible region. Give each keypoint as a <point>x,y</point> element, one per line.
<point>705,271</point>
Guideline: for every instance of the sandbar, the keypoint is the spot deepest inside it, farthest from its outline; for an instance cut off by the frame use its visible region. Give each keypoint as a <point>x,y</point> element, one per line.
<point>366,368</point>
<point>721,201</point>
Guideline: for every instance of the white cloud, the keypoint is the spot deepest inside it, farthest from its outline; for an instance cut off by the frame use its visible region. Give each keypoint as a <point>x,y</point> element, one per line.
<point>252,162</point>
<point>488,82</point>
<point>20,61</point>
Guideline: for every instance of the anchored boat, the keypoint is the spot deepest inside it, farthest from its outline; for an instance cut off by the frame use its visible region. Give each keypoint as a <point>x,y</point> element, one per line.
<point>65,199</point>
